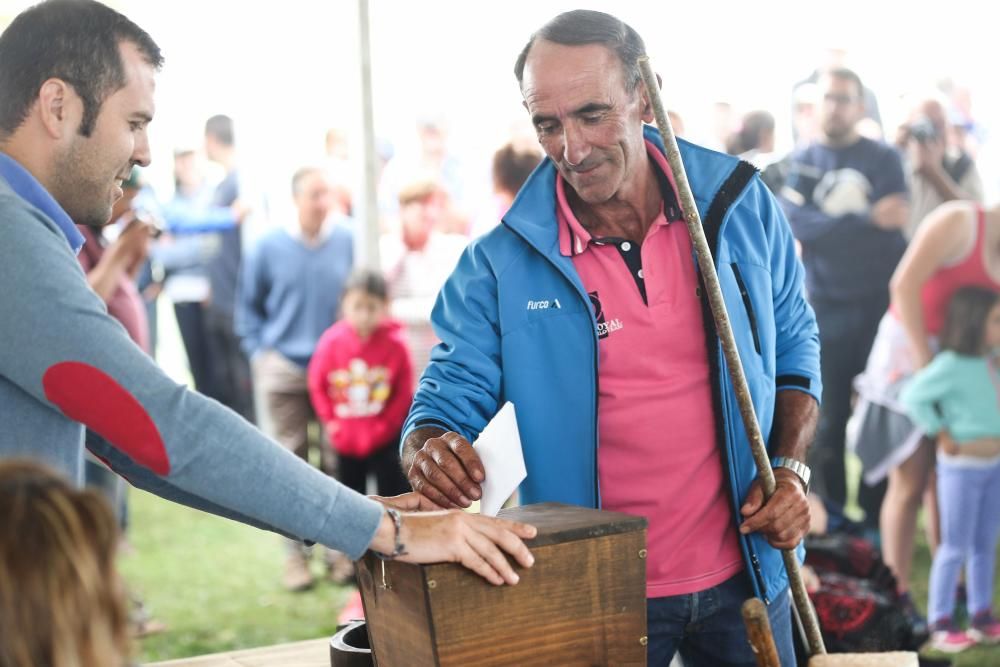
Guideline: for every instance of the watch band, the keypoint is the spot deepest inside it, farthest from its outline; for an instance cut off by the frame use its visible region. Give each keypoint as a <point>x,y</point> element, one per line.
<point>796,466</point>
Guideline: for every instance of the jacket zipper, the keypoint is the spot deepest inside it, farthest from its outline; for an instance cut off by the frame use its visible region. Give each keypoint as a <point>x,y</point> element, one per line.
<point>724,396</point>
<point>748,305</point>
<point>725,407</point>
<point>597,398</point>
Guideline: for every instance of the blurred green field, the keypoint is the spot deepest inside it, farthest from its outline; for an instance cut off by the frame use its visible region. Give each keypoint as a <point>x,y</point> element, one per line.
<point>216,584</point>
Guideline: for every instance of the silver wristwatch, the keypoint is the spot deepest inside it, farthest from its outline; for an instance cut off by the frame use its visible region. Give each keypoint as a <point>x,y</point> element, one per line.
<point>796,466</point>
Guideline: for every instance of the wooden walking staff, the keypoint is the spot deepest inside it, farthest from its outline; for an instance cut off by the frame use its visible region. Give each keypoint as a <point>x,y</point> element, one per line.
<point>759,635</point>
<point>732,355</point>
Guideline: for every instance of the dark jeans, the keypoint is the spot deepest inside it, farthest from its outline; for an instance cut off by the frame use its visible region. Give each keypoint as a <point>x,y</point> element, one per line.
<point>846,332</point>
<point>231,383</point>
<point>191,322</point>
<point>707,628</point>
<point>383,463</point>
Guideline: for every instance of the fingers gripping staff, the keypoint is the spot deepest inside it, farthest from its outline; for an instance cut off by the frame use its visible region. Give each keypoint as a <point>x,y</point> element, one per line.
<point>722,324</point>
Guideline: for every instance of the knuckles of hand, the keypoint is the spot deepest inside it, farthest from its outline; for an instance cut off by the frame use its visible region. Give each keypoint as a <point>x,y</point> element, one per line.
<point>790,482</point>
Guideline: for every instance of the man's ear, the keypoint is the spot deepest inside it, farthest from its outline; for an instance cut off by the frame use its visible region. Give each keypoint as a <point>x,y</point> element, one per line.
<point>55,107</point>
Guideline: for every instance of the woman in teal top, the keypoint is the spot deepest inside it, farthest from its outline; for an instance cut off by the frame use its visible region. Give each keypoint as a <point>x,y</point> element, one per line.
<point>956,398</point>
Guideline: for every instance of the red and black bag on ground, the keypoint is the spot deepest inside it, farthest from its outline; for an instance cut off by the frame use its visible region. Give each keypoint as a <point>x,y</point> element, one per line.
<point>857,604</point>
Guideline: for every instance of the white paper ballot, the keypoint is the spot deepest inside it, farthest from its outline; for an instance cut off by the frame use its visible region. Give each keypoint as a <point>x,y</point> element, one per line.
<point>499,448</point>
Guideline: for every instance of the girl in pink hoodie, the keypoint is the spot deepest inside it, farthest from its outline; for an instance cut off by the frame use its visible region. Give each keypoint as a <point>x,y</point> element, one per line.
<point>361,385</point>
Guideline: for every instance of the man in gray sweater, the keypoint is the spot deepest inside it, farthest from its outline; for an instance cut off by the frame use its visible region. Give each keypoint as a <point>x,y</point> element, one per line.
<point>77,81</point>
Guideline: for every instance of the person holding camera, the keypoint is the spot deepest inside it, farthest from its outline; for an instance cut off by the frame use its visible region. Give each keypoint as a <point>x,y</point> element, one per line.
<point>940,171</point>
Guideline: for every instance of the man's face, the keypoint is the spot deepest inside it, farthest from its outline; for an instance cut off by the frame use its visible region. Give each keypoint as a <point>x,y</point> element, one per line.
<point>433,142</point>
<point>841,107</point>
<point>313,200</point>
<point>212,148</point>
<point>586,120</point>
<point>420,217</point>
<point>186,171</point>
<point>933,111</point>
<point>90,170</point>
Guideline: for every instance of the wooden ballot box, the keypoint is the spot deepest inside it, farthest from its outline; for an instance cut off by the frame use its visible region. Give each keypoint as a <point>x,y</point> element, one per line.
<point>582,603</point>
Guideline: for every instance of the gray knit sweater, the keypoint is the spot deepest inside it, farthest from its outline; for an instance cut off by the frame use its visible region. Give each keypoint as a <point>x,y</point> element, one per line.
<point>64,363</point>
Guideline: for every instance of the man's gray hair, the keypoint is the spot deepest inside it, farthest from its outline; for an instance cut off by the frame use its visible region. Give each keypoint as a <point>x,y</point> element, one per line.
<point>585,26</point>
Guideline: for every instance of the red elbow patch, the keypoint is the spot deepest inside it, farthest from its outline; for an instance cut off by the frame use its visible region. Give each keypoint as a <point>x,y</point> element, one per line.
<point>93,398</point>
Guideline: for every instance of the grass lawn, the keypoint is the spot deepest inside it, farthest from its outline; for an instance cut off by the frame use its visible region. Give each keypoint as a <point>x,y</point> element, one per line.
<point>216,584</point>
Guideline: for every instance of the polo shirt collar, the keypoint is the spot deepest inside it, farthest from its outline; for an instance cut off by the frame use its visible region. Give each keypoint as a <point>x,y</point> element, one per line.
<point>574,239</point>
<point>30,190</point>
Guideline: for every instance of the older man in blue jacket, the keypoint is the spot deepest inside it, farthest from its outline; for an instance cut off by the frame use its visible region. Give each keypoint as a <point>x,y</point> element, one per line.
<point>584,309</point>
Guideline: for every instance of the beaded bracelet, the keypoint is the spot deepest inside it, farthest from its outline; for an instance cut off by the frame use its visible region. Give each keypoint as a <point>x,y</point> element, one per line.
<point>398,549</point>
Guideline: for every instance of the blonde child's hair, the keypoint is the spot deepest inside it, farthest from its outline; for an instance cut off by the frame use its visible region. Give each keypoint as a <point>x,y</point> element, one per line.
<point>62,603</point>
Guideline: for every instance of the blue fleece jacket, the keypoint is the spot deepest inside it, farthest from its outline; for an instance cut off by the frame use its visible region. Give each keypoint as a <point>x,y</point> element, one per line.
<point>495,348</point>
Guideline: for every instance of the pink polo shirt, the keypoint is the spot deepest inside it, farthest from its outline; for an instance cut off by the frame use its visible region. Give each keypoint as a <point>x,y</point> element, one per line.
<point>658,456</point>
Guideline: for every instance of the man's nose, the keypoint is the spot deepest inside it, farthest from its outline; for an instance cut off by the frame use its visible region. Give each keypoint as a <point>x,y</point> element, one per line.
<point>140,152</point>
<point>576,148</point>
